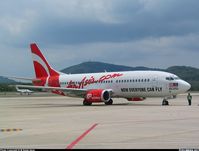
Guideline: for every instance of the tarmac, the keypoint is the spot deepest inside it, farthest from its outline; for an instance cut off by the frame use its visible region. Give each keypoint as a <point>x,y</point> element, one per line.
<point>57,122</point>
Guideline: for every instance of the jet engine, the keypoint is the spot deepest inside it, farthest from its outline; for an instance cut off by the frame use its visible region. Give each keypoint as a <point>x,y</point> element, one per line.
<point>98,95</point>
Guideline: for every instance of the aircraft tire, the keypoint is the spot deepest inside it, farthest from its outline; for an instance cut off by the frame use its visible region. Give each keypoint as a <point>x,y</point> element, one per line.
<point>87,103</point>
<point>110,102</point>
<point>165,102</point>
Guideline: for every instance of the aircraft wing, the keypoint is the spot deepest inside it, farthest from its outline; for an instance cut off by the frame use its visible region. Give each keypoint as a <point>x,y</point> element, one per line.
<point>60,90</point>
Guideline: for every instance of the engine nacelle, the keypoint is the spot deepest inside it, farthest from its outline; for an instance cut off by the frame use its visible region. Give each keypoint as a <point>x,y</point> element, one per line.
<point>136,99</point>
<point>98,95</point>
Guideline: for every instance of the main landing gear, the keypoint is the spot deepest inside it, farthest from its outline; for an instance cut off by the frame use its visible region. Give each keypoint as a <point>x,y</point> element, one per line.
<point>110,102</point>
<point>86,103</point>
<point>165,102</point>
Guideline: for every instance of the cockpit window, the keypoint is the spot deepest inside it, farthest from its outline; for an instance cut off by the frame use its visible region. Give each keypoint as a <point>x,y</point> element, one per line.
<point>176,78</point>
<point>172,78</point>
<point>169,78</point>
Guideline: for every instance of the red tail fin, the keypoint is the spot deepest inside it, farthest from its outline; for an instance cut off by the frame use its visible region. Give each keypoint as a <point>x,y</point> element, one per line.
<point>42,68</point>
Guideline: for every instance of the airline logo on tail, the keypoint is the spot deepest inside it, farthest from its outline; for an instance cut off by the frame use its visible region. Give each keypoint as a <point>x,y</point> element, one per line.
<point>45,74</point>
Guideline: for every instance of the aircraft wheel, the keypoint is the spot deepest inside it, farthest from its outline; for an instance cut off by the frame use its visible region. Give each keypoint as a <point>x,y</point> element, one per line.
<point>87,103</point>
<point>110,102</point>
<point>165,102</point>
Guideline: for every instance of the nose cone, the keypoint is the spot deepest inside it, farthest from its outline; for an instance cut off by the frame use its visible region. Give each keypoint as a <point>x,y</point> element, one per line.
<point>185,86</point>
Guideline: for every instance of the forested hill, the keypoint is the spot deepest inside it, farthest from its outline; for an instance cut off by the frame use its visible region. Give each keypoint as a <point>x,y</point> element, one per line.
<point>184,72</point>
<point>188,74</point>
<point>4,80</point>
<point>94,67</point>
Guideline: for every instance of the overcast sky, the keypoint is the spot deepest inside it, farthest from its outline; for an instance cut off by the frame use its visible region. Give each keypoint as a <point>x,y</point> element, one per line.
<point>151,33</point>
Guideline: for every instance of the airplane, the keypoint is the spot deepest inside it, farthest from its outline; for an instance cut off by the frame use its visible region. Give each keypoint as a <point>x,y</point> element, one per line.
<point>24,91</point>
<point>103,87</point>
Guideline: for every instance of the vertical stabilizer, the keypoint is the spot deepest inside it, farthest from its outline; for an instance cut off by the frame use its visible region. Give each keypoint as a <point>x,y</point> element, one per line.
<point>42,68</point>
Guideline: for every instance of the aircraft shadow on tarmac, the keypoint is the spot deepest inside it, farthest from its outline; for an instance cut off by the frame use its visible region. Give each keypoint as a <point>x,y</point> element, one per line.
<point>53,105</point>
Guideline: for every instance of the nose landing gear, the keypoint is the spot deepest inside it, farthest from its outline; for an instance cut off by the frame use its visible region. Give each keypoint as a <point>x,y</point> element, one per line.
<point>165,102</point>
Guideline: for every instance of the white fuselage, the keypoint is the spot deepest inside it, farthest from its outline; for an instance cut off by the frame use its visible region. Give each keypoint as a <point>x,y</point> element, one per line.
<point>128,84</point>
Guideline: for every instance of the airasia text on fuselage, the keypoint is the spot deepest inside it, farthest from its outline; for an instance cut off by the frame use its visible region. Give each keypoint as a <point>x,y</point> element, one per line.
<point>87,81</point>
